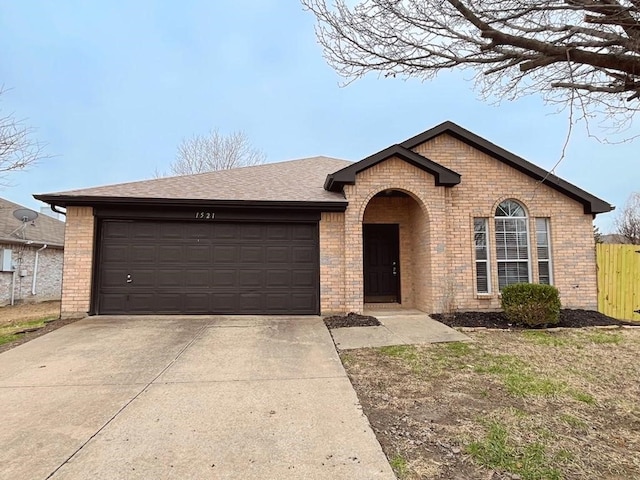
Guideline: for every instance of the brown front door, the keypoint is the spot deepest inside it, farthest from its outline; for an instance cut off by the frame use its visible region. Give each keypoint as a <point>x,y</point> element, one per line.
<point>381,263</point>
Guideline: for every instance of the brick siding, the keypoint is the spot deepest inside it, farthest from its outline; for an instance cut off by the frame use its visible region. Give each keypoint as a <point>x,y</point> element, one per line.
<point>48,278</point>
<point>437,264</point>
<point>78,261</point>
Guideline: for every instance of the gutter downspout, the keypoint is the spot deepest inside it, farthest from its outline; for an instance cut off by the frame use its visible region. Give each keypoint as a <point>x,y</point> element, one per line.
<point>55,209</point>
<point>13,286</point>
<point>35,270</point>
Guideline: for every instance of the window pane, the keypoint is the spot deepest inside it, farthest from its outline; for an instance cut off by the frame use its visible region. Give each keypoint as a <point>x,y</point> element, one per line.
<point>482,255</point>
<point>545,277</point>
<point>482,279</point>
<point>544,250</point>
<point>512,272</point>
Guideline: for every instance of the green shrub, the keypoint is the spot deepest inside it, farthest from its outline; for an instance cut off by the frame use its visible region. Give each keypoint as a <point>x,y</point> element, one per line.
<point>531,304</point>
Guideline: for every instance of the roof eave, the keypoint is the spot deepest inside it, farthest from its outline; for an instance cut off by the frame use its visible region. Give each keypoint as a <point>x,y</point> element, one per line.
<point>91,201</point>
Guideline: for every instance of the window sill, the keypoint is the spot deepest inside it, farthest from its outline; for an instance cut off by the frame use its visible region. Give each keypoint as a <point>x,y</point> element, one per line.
<point>485,296</point>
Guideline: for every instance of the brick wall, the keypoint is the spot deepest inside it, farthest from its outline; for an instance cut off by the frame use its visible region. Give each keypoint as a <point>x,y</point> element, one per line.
<point>436,232</point>
<point>48,277</point>
<point>485,183</point>
<point>78,259</point>
<point>332,276</point>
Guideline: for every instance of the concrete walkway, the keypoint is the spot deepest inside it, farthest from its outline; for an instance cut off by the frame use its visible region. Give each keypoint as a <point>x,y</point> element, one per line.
<point>177,398</point>
<point>398,328</point>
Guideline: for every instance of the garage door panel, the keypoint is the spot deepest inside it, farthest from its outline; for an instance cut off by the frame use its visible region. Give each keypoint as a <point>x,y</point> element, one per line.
<point>251,254</point>
<point>116,230</point>
<point>278,232</point>
<point>207,267</point>
<point>171,231</point>
<point>252,232</point>
<point>250,278</point>
<point>225,254</point>
<point>222,231</point>
<point>303,278</point>
<point>200,278</point>
<point>278,278</point>
<point>169,278</point>
<point>115,253</point>
<point>142,253</point>
<point>146,302</point>
<point>139,231</point>
<point>250,302</point>
<point>278,254</point>
<point>302,302</point>
<point>196,303</point>
<point>198,231</point>
<point>224,278</point>
<point>224,302</point>
<point>140,278</point>
<point>170,254</point>
<point>198,254</point>
<point>117,302</point>
<point>304,254</point>
<point>301,232</point>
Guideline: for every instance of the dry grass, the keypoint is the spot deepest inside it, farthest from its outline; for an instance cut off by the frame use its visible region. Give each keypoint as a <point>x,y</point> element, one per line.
<point>26,312</point>
<point>533,404</point>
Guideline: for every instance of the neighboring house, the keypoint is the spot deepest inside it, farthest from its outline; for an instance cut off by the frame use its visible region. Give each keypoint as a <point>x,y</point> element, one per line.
<point>31,254</point>
<point>442,220</point>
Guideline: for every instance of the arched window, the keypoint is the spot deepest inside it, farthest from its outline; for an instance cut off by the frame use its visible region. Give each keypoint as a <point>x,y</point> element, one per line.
<point>512,244</point>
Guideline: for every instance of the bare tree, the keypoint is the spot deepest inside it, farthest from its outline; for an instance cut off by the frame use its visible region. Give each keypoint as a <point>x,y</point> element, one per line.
<point>215,151</point>
<point>628,222</point>
<point>582,52</point>
<point>18,150</point>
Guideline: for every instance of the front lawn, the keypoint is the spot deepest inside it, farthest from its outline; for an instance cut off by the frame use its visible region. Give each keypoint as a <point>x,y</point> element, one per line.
<point>526,404</point>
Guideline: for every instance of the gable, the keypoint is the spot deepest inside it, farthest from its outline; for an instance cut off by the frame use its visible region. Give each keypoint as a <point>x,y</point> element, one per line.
<point>347,176</point>
<point>591,204</point>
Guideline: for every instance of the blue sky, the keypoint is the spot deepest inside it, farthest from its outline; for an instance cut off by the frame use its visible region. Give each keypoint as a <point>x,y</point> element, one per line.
<point>113,87</point>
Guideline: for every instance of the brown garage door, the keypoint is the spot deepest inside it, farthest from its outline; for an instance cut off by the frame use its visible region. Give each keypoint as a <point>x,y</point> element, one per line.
<point>199,268</point>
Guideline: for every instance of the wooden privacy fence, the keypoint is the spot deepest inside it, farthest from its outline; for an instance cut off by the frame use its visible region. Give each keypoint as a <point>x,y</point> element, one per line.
<point>619,280</point>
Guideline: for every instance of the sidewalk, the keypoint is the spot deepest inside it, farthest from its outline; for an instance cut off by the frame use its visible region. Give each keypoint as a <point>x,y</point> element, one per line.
<point>398,328</point>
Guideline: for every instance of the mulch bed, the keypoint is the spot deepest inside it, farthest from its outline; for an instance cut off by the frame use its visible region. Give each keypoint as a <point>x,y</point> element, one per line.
<point>569,318</point>
<point>351,320</point>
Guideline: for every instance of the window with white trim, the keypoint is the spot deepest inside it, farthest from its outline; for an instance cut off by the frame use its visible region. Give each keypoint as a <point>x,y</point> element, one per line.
<point>543,243</point>
<point>480,236</point>
<point>512,244</point>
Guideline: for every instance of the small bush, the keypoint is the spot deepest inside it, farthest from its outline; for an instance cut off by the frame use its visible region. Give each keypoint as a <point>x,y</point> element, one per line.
<point>531,304</point>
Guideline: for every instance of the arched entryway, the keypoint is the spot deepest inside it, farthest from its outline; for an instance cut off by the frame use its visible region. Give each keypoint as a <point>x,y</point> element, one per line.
<point>395,251</point>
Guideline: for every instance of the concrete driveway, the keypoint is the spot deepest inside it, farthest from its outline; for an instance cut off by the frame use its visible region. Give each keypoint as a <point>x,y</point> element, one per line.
<point>193,397</point>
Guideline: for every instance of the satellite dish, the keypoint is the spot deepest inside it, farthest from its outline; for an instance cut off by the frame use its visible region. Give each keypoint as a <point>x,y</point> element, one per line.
<point>25,215</point>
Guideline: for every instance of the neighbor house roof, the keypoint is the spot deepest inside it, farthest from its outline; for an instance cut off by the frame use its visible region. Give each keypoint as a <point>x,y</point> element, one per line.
<point>42,230</point>
<point>591,203</point>
<point>278,184</point>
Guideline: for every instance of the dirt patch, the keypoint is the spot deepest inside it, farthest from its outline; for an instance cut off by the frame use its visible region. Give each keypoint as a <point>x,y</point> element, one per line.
<point>28,312</point>
<point>511,404</point>
<point>569,318</point>
<point>351,320</point>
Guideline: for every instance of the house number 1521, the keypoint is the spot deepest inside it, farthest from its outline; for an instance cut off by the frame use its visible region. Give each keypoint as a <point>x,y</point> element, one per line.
<point>205,215</point>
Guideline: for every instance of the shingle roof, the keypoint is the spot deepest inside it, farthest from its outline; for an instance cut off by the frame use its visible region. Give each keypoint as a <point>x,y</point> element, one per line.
<point>43,229</point>
<point>292,181</point>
